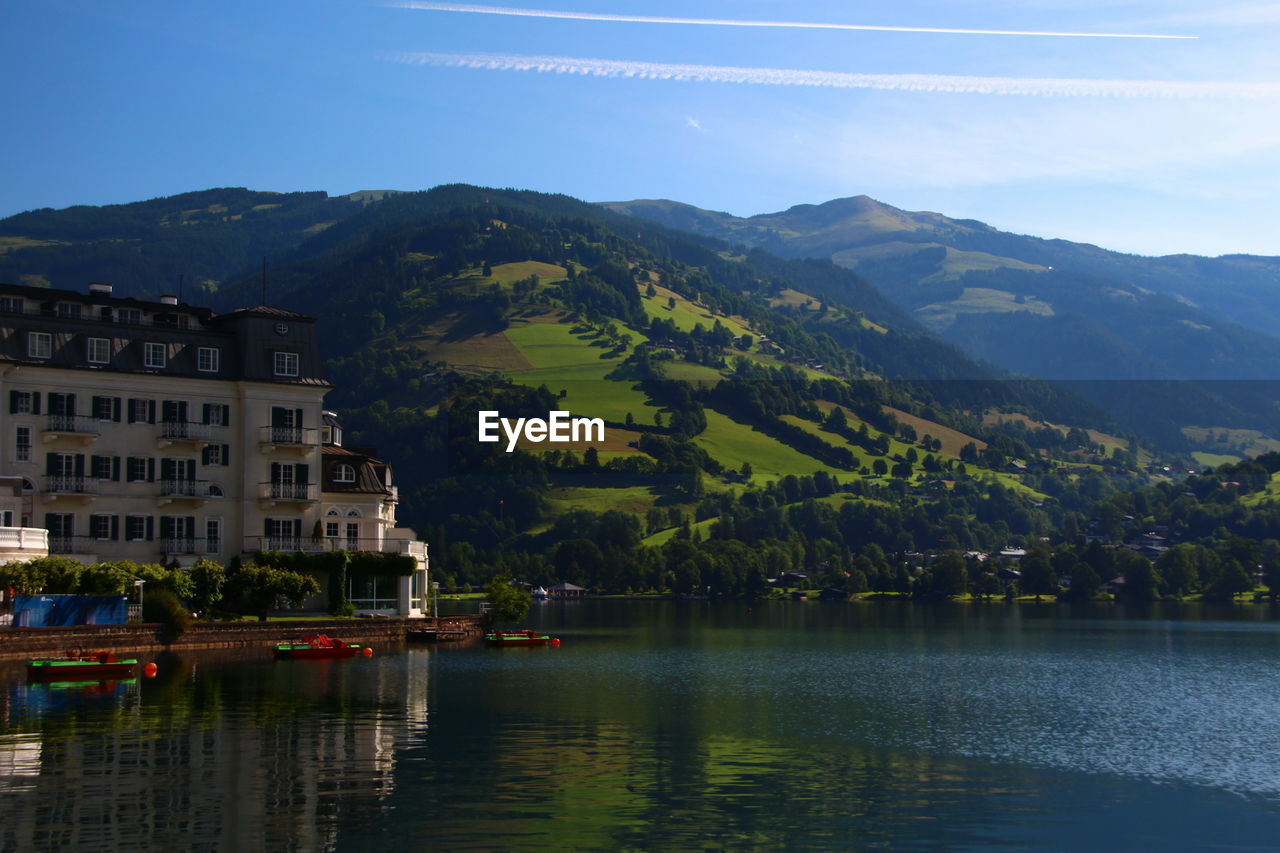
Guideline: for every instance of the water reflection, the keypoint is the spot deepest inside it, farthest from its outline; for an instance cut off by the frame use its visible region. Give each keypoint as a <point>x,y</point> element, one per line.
<point>221,752</point>
<point>663,726</point>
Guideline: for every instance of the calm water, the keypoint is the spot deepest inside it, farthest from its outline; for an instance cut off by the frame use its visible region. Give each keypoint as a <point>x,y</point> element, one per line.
<point>682,726</point>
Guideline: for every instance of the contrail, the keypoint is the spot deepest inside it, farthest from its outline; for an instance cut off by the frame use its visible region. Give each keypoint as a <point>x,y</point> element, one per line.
<point>1045,86</point>
<point>725,22</point>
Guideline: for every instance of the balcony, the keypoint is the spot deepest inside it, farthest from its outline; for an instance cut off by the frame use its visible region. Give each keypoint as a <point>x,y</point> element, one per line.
<point>23,543</point>
<point>194,490</point>
<point>70,484</point>
<point>295,492</point>
<point>85,428</point>
<point>173,432</point>
<point>184,545</point>
<point>409,547</point>
<point>72,544</point>
<point>298,438</point>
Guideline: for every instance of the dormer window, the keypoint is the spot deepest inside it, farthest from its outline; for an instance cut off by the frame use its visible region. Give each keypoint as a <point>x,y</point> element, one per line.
<point>286,364</point>
<point>344,473</point>
<point>153,355</point>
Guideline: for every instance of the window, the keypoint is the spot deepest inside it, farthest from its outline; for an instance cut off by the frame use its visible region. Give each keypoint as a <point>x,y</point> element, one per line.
<point>217,414</point>
<point>100,526</point>
<point>11,304</point>
<point>135,527</point>
<point>286,364</point>
<point>208,359</point>
<point>23,403</point>
<point>344,473</point>
<point>153,355</point>
<point>212,535</point>
<point>353,537</point>
<point>136,469</point>
<point>39,345</point>
<point>62,404</point>
<point>103,467</point>
<point>216,454</point>
<point>22,444</point>
<point>99,350</point>
<point>331,529</point>
<point>69,310</point>
<point>128,315</point>
<point>106,408</point>
<point>142,411</point>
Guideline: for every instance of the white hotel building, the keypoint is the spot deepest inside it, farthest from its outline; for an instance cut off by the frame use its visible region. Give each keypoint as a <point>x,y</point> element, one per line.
<point>154,431</point>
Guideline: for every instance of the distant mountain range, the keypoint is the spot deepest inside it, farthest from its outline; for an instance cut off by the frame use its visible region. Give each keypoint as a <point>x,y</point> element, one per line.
<point>1048,308</point>
<point>915,296</point>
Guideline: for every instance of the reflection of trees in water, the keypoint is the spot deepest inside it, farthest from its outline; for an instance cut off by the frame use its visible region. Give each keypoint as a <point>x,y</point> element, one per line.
<point>219,752</point>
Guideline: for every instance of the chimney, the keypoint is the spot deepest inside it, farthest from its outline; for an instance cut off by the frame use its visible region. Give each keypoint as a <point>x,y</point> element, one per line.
<point>169,299</point>
<point>100,288</point>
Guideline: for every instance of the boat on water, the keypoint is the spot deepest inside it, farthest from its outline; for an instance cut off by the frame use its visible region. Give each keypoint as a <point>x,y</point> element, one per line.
<point>504,639</point>
<point>319,647</point>
<point>82,666</point>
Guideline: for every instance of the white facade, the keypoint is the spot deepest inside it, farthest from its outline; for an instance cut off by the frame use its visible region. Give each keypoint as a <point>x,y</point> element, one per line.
<point>154,431</point>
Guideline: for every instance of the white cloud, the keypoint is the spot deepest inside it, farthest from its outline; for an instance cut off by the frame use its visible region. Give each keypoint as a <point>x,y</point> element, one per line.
<point>945,83</point>
<point>425,5</point>
<point>691,122</point>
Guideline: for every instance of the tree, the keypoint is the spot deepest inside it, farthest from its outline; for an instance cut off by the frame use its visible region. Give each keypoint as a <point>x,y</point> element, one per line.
<point>257,588</point>
<point>207,581</point>
<point>1038,577</point>
<point>508,602</point>
<point>879,467</point>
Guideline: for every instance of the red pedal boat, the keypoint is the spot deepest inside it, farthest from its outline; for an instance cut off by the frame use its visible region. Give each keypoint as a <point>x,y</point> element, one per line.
<point>319,647</point>
<point>80,666</point>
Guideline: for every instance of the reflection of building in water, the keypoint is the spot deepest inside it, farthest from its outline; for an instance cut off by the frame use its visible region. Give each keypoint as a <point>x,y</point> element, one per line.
<point>270,762</point>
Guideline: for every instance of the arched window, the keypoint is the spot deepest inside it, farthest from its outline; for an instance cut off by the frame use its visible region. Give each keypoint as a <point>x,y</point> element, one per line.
<point>334,513</point>
<point>353,513</point>
<point>344,473</point>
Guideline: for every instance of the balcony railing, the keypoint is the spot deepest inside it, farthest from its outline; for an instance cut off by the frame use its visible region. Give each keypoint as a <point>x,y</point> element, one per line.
<point>189,489</point>
<point>178,545</point>
<point>78,424</point>
<point>290,436</point>
<point>410,547</point>
<point>185,430</point>
<point>70,484</point>
<point>289,491</point>
<point>23,539</point>
<point>177,320</point>
<point>71,544</point>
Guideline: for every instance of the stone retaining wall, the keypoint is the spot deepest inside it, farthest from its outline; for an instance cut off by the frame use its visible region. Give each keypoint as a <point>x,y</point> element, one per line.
<point>18,643</point>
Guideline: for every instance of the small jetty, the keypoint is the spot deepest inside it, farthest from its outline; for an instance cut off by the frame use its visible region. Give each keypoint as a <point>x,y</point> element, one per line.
<point>442,629</point>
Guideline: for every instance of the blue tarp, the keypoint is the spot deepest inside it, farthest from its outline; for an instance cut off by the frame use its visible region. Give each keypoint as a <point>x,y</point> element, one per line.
<point>36,611</point>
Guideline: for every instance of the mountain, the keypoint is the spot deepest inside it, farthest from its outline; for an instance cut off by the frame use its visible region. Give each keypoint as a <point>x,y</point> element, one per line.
<point>858,231</point>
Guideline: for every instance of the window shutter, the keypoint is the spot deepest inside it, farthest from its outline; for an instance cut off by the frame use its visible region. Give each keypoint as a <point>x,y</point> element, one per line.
<point>168,411</point>
<point>266,527</point>
<point>13,402</point>
<point>297,419</point>
<point>226,415</point>
<point>275,472</point>
<point>166,527</point>
<point>115,527</point>
<point>115,468</point>
<point>226,454</point>
<point>297,528</point>
<point>151,527</point>
<point>191,469</point>
<point>51,463</point>
<point>207,407</point>
<point>151,469</point>
<point>151,411</point>
<point>300,474</point>
<point>70,405</point>
<point>204,456</point>
<point>79,464</point>
<point>35,402</point>
<point>115,409</point>
<point>191,527</point>
<point>132,402</point>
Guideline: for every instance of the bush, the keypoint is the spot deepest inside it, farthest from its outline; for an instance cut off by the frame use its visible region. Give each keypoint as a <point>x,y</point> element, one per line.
<point>163,606</point>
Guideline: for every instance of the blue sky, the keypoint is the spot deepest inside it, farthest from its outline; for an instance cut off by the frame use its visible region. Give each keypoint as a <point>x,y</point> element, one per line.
<point>114,102</point>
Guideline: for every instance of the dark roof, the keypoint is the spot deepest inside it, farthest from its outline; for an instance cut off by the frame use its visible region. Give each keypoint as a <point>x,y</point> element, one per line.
<point>271,311</point>
<point>371,472</point>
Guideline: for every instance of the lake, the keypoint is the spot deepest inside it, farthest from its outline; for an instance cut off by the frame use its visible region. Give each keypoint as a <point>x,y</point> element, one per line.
<point>664,725</point>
